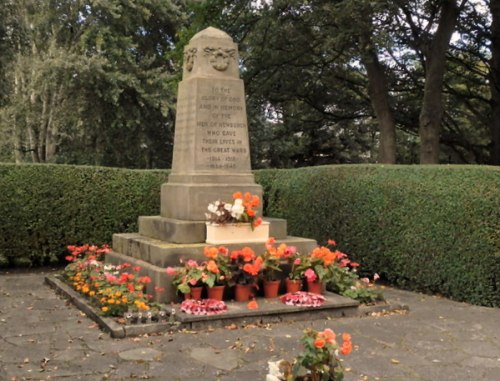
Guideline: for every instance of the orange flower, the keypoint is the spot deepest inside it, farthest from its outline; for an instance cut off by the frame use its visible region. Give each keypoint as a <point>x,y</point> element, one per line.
<point>210,252</point>
<point>257,222</point>
<point>346,348</point>
<point>331,242</point>
<point>251,269</point>
<point>329,258</point>
<point>237,195</point>
<point>248,254</point>
<point>251,212</point>
<point>212,267</point>
<point>252,305</point>
<point>319,342</point>
<point>223,250</point>
<point>247,196</point>
<point>328,335</point>
<point>255,201</point>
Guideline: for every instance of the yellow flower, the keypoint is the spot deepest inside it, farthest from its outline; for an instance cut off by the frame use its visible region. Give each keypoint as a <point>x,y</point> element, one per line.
<point>111,301</point>
<point>92,293</point>
<point>118,294</point>
<point>105,309</point>
<point>124,300</point>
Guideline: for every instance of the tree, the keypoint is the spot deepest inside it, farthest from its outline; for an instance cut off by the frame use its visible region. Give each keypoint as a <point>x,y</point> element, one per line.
<point>495,82</point>
<point>91,81</point>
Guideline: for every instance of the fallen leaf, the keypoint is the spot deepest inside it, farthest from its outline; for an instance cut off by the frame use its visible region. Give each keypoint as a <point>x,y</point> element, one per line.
<point>231,327</point>
<point>394,361</point>
<point>26,360</point>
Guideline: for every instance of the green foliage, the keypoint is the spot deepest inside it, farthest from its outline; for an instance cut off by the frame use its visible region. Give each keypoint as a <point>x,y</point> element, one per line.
<point>429,228</point>
<point>43,208</point>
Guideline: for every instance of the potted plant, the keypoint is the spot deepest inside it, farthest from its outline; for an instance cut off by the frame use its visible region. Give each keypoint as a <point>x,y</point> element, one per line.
<point>215,271</point>
<point>318,361</point>
<point>271,260</point>
<point>294,280</point>
<point>236,221</point>
<point>187,279</point>
<point>318,268</point>
<point>244,267</point>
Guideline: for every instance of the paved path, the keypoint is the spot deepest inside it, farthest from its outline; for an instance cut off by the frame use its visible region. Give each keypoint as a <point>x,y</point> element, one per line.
<point>44,338</point>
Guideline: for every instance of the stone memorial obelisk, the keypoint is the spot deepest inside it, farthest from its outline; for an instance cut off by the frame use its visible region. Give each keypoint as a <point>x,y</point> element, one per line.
<point>211,150</point>
<point>211,161</point>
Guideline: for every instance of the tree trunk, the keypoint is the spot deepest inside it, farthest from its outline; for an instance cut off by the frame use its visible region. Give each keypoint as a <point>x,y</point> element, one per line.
<point>431,114</point>
<point>495,82</point>
<point>18,142</point>
<point>377,89</point>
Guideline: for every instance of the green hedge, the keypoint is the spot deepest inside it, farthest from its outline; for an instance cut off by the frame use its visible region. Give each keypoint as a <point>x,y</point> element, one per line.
<point>43,208</point>
<point>429,228</point>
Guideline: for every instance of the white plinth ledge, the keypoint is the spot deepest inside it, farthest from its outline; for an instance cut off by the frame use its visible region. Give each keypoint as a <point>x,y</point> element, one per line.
<point>236,233</point>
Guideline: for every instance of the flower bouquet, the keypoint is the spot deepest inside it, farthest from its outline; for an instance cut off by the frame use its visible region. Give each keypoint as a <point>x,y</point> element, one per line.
<point>241,210</point>
<point>236,222</point>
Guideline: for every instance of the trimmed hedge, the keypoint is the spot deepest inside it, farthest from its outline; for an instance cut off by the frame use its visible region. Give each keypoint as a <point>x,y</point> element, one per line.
<point>43,208</point>
<point>429,228</point>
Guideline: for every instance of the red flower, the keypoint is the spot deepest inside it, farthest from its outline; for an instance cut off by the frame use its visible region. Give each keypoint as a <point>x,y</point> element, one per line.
<point>319,342</point>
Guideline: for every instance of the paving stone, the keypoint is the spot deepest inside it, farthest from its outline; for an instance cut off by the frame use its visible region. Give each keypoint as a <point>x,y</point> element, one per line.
<point>225,359</point>
<point>141,354</point>
<point>437,340</point>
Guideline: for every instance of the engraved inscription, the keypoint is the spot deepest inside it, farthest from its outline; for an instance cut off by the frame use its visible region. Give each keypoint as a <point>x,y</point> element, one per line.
<point>222,129</point>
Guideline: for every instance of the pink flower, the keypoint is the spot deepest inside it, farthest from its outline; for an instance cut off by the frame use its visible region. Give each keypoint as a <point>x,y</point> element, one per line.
<point>171,271</point>
<point>110,278</point>
<point>310,275</point>
<point>365,280</point>
<point>193,282</point>
<point>192,263</point>
<point>297,262</point>
<point>344,262</point>
<point>376,277</point>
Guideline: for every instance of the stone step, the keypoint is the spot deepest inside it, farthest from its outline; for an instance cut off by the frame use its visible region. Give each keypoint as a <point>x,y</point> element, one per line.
<point>181,231</point>
<point>153,256</point>
<point>163,254</point>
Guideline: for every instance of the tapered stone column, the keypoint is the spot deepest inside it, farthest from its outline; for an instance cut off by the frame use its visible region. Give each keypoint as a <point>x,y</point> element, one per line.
<point>211,149</point>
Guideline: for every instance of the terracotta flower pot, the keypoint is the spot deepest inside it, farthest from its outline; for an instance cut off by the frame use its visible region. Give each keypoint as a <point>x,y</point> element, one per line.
<point>194,294</point>
<point>271,288</point>
<point>242,292</point>
<point>315,287</point>
<point>216,292</point>
<point>293,285</point>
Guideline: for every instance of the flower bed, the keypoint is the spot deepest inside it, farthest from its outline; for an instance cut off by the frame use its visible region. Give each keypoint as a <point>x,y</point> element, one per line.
<point>114,290</point>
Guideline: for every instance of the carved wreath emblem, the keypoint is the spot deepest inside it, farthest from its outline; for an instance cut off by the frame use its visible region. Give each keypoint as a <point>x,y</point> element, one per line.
<point>189,58</point>
<point>219,58</point>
